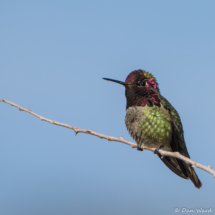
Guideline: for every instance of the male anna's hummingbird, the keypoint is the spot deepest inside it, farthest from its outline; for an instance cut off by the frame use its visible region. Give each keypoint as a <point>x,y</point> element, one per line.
<point>153,122</point>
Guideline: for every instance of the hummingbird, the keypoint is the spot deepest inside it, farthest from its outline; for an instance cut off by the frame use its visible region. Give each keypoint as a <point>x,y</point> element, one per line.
<point>154,123</point>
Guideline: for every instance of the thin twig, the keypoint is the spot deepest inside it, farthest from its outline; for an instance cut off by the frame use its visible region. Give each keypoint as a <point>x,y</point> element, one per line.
<point>121,139</point>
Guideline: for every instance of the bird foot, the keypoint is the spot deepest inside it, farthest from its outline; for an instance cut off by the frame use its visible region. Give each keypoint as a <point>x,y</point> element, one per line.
<point>156,151</point>
<point>139,148</point>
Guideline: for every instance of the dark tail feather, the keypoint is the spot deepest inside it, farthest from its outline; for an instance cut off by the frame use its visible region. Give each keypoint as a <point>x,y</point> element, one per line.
<point>192,175</point>
<point>182,169</point>
<point>172,164</point>
<point>194,178</point>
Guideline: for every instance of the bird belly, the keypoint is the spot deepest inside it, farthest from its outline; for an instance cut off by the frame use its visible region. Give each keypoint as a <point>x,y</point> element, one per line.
<point>149,126</point>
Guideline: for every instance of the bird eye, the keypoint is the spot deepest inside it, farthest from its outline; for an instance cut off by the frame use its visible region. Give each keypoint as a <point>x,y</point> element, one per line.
<point>143,83</point>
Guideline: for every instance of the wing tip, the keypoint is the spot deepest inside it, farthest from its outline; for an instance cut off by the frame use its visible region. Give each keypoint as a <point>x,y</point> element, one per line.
<point>195,179</point>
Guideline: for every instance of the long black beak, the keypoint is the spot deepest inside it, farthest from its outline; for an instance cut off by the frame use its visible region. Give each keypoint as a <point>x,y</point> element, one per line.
<point>119,82</point>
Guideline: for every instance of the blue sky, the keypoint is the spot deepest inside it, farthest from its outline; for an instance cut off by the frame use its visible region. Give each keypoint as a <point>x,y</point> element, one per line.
<point>53,56</point>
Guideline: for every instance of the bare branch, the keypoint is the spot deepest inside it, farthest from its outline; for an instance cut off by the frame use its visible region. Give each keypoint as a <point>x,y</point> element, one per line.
<point>121,139</point>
